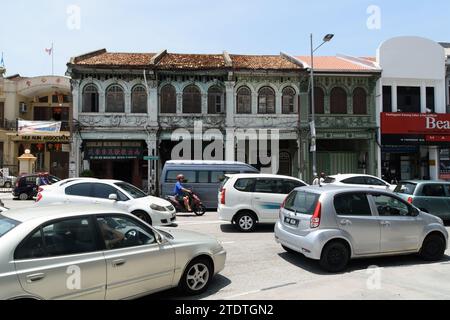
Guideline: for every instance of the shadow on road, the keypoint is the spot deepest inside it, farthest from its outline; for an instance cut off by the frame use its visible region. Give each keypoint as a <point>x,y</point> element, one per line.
<point>260,228</point>
<point>218,283</point>
<point>359,264</point>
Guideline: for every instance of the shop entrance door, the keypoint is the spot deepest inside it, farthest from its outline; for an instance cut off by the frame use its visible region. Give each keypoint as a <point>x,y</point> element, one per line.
<point>332,163</point>
<point>123,170</point>
<point>59,164</point>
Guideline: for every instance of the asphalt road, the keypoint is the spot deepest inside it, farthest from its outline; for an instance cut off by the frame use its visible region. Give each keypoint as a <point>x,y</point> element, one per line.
<point>258,268</point>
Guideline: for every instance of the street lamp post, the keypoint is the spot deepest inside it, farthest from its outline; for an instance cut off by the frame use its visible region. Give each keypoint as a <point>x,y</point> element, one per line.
<point>312,124</point>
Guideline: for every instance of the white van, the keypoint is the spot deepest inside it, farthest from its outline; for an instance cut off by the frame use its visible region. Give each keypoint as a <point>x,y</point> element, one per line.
<point>248,199</point>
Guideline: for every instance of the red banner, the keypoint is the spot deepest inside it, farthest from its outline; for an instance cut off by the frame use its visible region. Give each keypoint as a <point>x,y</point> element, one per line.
<point>416,123</point>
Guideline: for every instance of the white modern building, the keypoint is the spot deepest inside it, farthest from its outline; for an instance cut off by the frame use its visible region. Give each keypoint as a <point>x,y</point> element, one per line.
<point>411,90</point>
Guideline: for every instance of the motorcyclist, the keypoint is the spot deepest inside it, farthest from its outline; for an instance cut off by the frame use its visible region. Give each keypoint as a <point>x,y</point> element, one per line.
<point>181,193</point>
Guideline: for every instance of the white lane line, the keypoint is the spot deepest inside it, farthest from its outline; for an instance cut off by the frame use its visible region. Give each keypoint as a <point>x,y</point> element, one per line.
<point>189,223</point>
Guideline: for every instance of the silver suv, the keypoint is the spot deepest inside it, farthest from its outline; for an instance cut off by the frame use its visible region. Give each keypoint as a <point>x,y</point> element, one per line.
<point>335,224</point>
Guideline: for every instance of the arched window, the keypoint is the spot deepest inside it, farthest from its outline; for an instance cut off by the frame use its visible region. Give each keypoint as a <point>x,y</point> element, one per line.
<point>266,100</point>
<point>168,99</point>
<point>244,101</point>
<point>192,100</point>
<point>319,101</point>
<point>90,98</point>
<point>338,101</point>
<point>115,99</point>
<point>288,100</point>
<point>139,99</point>
<point>359,101</point>
<point>215,100</point>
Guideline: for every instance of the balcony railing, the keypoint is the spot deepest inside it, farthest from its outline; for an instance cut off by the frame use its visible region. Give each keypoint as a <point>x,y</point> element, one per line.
<point>6,124</point>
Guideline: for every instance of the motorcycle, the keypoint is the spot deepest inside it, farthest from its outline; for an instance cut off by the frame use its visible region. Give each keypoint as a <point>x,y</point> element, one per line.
<point>194,200</point>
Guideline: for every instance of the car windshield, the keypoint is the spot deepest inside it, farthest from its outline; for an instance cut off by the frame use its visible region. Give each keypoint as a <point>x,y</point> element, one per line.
<point>6,225</point>
<point>302,202</point>
<point>330,180</point>
<point>131,190</point>
<point>406,188</point>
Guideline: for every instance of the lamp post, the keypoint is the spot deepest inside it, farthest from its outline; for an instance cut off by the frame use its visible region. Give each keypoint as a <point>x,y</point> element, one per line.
<point>312,123</point>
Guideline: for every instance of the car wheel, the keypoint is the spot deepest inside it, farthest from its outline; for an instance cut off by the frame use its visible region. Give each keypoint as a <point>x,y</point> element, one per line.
<point>245,222</point>
<point>23,196</point>
<point>289,250</point>
<point>196,277</point>
<point>433,248</point>
<point>335,257</point>
<point>143,216</point>
<point>7,185</point>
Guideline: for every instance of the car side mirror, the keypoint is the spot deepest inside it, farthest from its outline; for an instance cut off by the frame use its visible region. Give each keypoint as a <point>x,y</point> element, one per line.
<point>113,197</point>
<point>415,212</point>
<point>160,239</point>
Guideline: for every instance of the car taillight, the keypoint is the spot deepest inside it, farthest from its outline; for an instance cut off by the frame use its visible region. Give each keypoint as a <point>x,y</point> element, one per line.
<point>315,220</point>
<point>222,196</point>
<point>410,200</point>
<point>39,197</point>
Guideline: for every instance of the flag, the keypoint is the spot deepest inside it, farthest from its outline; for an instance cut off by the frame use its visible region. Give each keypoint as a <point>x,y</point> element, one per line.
<point>2,62</point>
<point>49,51</point>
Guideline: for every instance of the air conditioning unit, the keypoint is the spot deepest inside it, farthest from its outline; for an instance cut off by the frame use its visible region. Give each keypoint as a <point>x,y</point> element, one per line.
<point>23,107</point>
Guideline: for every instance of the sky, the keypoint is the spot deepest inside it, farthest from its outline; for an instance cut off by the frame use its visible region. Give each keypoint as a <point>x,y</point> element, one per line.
<point>206,26</point>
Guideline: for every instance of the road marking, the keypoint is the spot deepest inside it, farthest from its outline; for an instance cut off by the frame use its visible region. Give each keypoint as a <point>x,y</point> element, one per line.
<point>241,294</point>
<point>191,223</point>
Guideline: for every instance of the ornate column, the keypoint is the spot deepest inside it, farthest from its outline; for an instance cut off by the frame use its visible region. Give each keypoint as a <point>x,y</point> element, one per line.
<point>127,102</point>
<point>278,97</point>
<point>76,101</point>
<point>101,101</point>
<point>204,103</point>
<point>230,99</point>
<point>179,103</point>
<point>152,101</point>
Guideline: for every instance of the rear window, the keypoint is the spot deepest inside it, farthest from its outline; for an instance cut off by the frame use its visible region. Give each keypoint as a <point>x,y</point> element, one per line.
<point>6,225</point>
<point>302,202</point>
<point>406,188</point>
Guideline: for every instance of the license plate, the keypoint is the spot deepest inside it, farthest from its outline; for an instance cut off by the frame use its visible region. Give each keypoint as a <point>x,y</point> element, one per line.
<point>291,221</point>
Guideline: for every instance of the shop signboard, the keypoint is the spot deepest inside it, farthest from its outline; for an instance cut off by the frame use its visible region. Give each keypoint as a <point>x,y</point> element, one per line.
<point>415,129</point>
<point>38,127</point>
<point>113,150</point>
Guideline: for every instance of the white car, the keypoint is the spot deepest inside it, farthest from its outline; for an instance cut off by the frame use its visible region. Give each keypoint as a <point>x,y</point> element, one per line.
<point>358,180</point>
<point>248,199</point>
<point>153,210</point>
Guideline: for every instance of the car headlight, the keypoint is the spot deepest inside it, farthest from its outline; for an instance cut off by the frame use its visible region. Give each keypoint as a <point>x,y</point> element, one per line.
<point>157,208</point>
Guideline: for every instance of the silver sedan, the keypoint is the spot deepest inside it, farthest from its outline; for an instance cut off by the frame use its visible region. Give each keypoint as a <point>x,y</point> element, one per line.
<point>96,252</point>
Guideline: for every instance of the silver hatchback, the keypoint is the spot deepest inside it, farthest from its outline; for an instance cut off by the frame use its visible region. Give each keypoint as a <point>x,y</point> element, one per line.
<point>335,224</point>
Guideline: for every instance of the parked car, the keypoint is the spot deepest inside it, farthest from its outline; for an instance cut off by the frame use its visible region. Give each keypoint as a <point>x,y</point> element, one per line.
<point>26,187</point>
<point>333,225</point>
<point>358,180</point>
<point>248,199</point>
<point>429,196</point>
<point>203,177</point>
<point>7,181</point>
<point>153,210</point>
<point>98,252</point>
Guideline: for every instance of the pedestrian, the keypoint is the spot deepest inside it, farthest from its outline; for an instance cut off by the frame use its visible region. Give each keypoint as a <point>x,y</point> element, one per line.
<point>318,181</point>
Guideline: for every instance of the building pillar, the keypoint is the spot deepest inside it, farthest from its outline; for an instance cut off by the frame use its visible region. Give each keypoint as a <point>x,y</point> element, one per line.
<point>394,98</point>
<point>179,103</point>
<point>127,102</point>
<point>254,103</point>
<point>75,157</point>
<point>152,101</point>
<point>230,99</point>
<point>101,102</point>
<point>423,98</point>
<point>434,163</point>
<point>204,103</point>
<point>278,104</point>
<point>230,145</point>
<point>152,174</point>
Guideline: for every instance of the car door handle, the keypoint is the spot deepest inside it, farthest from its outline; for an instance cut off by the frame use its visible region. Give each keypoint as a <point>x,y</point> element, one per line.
<point>118,263</point>
<point>346,222</point>
<point>385,223</point>
<point>35,277</point>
